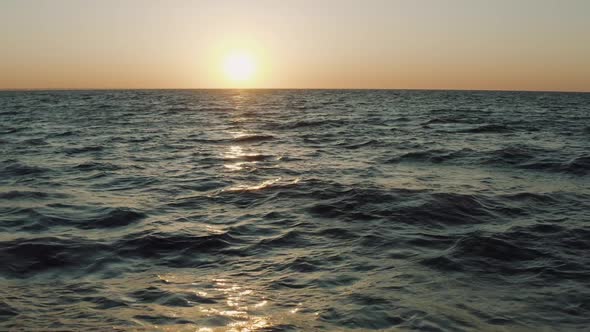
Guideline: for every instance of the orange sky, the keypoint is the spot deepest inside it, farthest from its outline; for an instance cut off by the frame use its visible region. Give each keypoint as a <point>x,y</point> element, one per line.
<point>412,44</point>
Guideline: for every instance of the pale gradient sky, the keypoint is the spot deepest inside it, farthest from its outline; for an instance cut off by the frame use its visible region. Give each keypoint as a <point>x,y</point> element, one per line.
<point>399,44</point>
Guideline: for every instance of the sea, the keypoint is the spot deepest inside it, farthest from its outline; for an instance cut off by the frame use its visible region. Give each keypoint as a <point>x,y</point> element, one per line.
<point>294,210</point>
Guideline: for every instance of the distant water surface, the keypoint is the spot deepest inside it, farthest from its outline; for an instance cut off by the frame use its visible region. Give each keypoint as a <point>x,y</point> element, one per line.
<point>294,210</point>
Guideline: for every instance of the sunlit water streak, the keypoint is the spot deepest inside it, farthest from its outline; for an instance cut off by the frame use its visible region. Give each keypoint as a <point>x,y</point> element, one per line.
<point>294,210</point>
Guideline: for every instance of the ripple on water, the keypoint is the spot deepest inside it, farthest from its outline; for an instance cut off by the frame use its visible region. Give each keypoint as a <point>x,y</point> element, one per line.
<point>303,210</point>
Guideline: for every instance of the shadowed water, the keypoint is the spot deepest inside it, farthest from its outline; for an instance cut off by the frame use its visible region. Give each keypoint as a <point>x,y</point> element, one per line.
<point>294,210</point>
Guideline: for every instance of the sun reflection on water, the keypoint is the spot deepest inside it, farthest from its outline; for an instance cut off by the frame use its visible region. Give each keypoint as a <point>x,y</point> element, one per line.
<point>237,158</point>
<point>238,301</point>
<point>235,306</point>
<point>227,305</point>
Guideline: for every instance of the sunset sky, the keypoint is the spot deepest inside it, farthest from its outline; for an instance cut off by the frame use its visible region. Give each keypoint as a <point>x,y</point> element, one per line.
<point>398,44</point>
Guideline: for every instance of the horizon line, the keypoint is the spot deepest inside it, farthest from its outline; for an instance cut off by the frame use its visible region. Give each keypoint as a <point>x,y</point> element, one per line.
<point>319,89</point>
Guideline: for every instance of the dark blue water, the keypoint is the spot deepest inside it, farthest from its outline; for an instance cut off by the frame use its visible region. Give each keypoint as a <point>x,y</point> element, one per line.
<point>294,210</point>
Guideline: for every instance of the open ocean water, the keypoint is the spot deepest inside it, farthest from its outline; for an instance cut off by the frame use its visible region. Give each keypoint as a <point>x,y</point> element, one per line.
<point>294,210</point>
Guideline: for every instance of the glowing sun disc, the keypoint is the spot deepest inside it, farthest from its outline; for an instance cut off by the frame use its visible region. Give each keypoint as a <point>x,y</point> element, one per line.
<point>239,66</point>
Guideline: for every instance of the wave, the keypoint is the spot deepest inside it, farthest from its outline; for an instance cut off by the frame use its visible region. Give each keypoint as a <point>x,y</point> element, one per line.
<point>83,149</point>
<point>250,157</point>
<point>34,142</point>
<point>18,194</point>
<point>110,218</point>
<point>308,124</point>
<point>96,166</point>
<point>61,134</point>
<point>5,130</point>
<point>534,158</point>
<point>268,184</point>
<point>513,155</point>
<point>519,157</point>
<point>27,257</point>
<point>488,128</point>
<point>450,119</point>
<point>364,144</point>
<point>217,109</point>
<point>434,156</point>
<point>415,207</point>
<point>456,110</point>
<point>576,166</point>
<point>154,244</point>
<point>486,254</point>
<point>174,110</point>
<point>532,250</point>
<point>163,297</point>
<point>62,215</point>
<point>22,257</point>
<point>253,138</point>
<point>12,168</point>
<point>7,311</point>
<point>579,165</point>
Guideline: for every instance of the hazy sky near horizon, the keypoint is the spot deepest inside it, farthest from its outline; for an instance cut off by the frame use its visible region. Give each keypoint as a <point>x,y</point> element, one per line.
<point>402,44</point>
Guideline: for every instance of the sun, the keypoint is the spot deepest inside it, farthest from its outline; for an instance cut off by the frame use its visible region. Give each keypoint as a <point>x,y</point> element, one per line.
<point>239,66</point>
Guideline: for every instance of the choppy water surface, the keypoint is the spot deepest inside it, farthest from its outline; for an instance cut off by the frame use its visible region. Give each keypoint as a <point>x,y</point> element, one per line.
<point>294,210</point>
